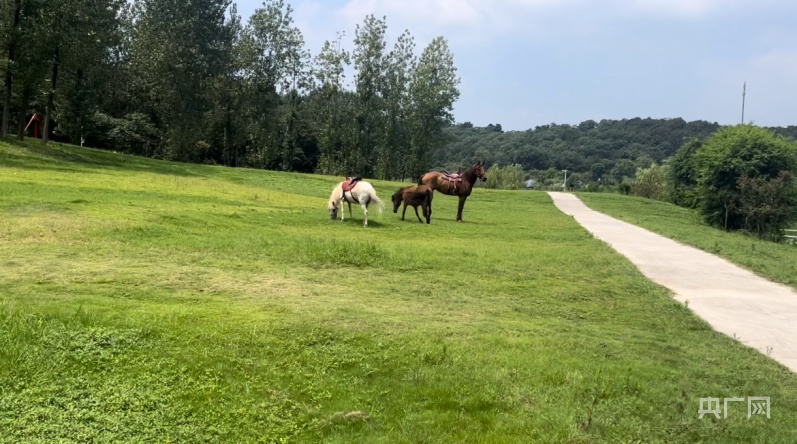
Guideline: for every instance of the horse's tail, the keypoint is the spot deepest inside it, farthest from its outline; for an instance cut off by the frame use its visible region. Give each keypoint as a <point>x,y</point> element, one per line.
<point>373,198</point>
<point>420,179</point>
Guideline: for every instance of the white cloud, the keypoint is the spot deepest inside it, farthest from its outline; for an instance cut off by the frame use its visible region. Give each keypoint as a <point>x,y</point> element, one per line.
<point>439,12</point>
<point>671,8</point>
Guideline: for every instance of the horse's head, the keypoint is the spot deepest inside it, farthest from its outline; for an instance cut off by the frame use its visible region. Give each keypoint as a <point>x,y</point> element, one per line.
<point>478,171</point>
<point>333,210</point>
<point>396,198</point>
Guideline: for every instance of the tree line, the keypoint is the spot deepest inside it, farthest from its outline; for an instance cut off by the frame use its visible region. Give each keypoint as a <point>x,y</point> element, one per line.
<point>609,149</point>
<point>605,155</point>
<point>189,80</point>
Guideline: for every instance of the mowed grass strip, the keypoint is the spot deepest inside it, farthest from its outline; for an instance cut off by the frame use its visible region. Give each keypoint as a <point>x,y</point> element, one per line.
<point>151,301</point>
<point>775,261</point>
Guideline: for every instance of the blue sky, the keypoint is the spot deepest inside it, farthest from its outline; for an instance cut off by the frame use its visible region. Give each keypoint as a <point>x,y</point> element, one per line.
<point>524,63</point>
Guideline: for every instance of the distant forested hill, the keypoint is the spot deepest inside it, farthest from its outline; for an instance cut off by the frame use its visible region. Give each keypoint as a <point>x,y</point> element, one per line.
<point>584,147</point>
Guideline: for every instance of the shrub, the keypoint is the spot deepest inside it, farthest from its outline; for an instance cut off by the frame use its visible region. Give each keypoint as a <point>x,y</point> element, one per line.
<point>768,205</point>
<point>652,182</point>
<point>134,134</point>
<point>731,154</point>
<point>683,175</point>
<point>510,177</point>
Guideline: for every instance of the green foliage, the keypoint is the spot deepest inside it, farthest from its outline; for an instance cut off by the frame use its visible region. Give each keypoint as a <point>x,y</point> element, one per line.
<point>728,156</point>
<point>134,134</point>
<point>620,146</point>
<point>549,179</point>
<point>509,177</point>
<point>652,182</point>
<point>683,175</point>
<point>768,205</point>
<point>623,170</point>
<point>597,169</point>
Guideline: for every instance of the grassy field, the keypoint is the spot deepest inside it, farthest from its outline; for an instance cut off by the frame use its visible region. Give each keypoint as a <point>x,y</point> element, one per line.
<point>150,301</point>
<point>777,262</point>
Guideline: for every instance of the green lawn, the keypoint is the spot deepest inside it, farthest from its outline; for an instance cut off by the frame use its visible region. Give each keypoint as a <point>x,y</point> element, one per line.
<point>147,301</point>
<point>777,262</point>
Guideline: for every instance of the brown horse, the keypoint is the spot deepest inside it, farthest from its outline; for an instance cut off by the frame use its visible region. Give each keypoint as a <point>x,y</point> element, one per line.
<point>455,184</point>
<point>414,196</point>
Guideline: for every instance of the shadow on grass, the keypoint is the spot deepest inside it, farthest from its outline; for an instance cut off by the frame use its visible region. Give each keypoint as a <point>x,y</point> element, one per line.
<point>357,222</point>
<point>54,156</point>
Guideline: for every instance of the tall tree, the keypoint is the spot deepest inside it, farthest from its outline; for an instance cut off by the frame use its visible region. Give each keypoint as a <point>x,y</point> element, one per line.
<point>329,102</point>
<point>277,64</point>
<point>12,18</point>
<point>395,147</point>
<point>329,105</point>
<point>228,118</point>
<point>179,50</point>
<point>434,91</point>
<point>369,60</point>
<point>90,29</point>
<point>23,35</point>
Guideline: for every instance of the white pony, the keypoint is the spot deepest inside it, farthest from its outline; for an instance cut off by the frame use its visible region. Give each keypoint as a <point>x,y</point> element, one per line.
<point>362,193</point>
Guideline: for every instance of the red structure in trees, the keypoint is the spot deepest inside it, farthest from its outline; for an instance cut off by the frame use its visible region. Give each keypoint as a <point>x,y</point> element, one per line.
<point>35,121</point>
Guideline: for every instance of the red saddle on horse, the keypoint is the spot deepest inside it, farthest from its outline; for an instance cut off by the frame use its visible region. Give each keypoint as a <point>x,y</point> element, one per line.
<point>453,179</point>
<point>350,183</point>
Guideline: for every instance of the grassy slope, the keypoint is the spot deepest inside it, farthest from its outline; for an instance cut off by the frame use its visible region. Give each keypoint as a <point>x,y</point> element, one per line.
<point>777,262</point>
<point>144,300</point>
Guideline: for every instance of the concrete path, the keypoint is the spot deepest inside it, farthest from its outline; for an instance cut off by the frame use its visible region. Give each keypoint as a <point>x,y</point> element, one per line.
<point>736,302</point>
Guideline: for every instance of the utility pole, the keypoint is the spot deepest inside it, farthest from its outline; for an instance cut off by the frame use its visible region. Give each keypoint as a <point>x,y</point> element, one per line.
<point>564,185</point>
<point>744,90</point>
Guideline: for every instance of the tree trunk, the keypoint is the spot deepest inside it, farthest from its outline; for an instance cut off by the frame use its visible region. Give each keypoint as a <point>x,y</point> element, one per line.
<point>727,210</point>
<point>12,46</point>
<point>48,110</point>
<point>78,138</point>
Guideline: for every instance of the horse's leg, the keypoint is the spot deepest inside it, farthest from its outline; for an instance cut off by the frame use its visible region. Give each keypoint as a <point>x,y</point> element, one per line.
<point>405,211</point>
<point>350,215</point>
<point>416,213</point>
<point>365,214</point>
<point>426,211</point>
<point>461,206</point>
<point>342,210</point>
<point>429,219</point>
